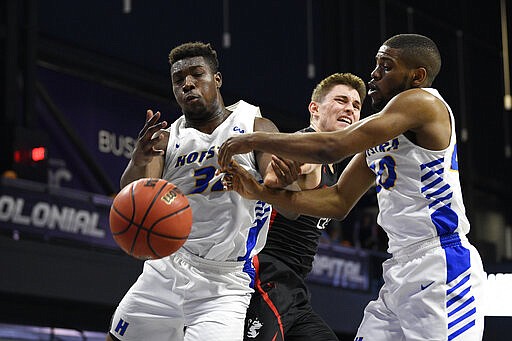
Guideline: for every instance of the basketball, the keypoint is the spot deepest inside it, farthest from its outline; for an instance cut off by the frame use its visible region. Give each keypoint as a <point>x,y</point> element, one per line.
<point>150,218</point>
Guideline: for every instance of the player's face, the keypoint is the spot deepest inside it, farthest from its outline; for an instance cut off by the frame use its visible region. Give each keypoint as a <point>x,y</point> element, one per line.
<point>390,77</point>
<point>340,108</point>
<point>195,86</point>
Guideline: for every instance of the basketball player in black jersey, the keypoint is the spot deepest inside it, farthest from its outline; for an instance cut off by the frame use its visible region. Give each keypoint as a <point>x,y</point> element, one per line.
<point>280,308</point>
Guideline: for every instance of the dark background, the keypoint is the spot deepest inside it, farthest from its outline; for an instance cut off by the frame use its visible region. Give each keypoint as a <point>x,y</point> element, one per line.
<point>100,66</point>
<point>271,45</point>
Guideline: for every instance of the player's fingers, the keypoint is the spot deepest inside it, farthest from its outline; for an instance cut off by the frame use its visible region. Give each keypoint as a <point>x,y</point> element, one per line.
<point>155,129</point>
<point>149,114</point>
<point>278,161</point>
<point>234,166</point>
<point>286,164</point>
<point>148,146</point>
<point>151,117</point>
<point>288,170</point>
<point>152,125</point>
<point>157,152</point>
<point>157,137</point>
<point>295,166</point>
<point>224,155</point>
<point>229,148</point>
<point>239,173</point>
<point>278,171</point>
<point>227,182</point>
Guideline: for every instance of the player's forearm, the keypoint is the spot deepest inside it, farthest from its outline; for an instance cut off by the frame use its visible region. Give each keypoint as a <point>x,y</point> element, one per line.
<point>292,215</point>
<point>311,147</point>
<point>317,203</point>
<point>132,172</point>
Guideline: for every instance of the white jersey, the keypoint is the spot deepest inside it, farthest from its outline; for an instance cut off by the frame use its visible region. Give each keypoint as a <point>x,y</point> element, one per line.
<point>226,227</point>
<point>418,190</point>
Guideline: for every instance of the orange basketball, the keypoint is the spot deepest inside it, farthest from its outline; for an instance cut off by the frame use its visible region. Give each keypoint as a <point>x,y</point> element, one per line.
<point>150,218</point>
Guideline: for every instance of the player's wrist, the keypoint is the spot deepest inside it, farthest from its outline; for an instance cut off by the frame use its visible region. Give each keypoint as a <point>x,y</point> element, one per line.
<point>268,194</point>
<point>254,139</point>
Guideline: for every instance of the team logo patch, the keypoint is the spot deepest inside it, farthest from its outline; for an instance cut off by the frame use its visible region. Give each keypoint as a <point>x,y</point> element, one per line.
<point>253,328</point>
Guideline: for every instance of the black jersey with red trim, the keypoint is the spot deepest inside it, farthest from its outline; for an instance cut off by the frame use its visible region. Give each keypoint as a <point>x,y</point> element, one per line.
<point>295,242</point>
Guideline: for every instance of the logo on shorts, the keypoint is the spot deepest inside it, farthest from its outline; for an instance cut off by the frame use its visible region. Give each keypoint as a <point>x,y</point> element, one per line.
<point>254,327</point>
<point>358,338</point>
<point>423,287</point>
<point>121,327</point>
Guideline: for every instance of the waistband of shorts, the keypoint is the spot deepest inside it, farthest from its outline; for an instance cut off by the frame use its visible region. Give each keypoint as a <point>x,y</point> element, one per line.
<point>209,264</point>
<point>417,249</point>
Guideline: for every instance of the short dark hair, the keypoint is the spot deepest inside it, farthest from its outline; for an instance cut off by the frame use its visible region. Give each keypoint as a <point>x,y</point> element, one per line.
<point>417,51</point>
<point>195,49</point>
<point>331,81</point>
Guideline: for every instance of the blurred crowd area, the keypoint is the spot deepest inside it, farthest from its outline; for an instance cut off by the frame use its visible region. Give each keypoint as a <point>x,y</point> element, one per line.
<point>359,229</point>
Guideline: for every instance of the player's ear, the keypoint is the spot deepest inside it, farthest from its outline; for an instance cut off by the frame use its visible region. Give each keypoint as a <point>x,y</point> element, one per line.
<point>419,77</point>
<point>313,109</point>
<point>218,79</point>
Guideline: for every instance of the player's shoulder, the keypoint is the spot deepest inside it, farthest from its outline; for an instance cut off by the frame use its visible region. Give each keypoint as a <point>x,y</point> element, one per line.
<point>418,95</point>
<point>417,100</point>
<point>264,124</point>
<point>244,107</point>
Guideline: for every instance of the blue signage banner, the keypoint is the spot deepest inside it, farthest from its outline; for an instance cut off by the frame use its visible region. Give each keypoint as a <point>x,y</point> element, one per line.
<point>39,211</point>
<point>340,266</point>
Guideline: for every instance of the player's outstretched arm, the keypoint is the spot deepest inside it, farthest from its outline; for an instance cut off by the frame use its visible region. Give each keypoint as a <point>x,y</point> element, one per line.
<point>335,201</point>
<point>411,110</point>
<point>148,155</point>
<point>285,145</point>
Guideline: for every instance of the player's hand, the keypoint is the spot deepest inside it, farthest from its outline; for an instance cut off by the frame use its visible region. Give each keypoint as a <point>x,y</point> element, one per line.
<point>151,134</point>
<point>237,178</point>
<point>281,172</point>
<point>233,145</point>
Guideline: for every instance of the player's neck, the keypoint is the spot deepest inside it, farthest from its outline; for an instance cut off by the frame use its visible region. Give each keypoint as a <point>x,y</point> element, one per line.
<point>208,125</point>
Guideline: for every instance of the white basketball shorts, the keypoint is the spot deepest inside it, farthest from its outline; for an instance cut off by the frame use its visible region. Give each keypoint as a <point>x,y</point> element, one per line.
<point>184,297</point>
<point>432,291</point>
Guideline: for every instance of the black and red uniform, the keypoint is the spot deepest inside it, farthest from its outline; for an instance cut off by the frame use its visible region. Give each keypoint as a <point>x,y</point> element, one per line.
<point>280,308</point>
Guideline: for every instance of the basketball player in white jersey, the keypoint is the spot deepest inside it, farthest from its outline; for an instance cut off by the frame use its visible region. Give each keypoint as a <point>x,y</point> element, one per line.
<point>433,282</point>
<point>203,290</point>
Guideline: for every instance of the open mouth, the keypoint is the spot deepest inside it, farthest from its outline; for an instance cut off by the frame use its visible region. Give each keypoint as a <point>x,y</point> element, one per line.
<point>345,120</point>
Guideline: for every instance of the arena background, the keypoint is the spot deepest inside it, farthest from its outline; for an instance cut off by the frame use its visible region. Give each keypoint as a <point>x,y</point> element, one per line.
<point>78,76</point>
